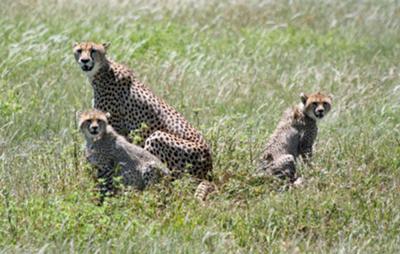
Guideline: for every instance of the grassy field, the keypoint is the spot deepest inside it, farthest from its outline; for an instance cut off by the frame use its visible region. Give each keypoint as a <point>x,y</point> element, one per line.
<point>231,67</point>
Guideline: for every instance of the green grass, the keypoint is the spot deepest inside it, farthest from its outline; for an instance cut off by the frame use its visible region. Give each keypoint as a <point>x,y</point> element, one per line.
<point>231,68</point>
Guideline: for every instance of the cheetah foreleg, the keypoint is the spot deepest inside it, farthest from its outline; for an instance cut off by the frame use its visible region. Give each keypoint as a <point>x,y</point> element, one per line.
<point>105,185</point>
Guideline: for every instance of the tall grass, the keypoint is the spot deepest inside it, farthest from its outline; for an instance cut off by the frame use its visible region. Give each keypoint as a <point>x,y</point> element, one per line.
<point>231,67</point>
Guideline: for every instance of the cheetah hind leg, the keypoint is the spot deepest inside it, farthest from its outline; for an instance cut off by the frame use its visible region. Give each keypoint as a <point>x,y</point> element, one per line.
<point>152,173</point>
<point>282,167</point>
<point>180,155</point>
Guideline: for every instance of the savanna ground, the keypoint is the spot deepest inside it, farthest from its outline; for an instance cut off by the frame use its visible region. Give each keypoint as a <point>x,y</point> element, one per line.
<point>231,68</point>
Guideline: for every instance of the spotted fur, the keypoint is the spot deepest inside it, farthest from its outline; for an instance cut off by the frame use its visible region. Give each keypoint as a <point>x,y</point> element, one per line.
<point>167,135</point>
<point>294,136</point>
<point>113,156</point>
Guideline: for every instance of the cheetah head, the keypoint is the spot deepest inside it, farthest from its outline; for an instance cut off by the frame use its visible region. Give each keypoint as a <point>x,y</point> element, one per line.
<point>93,123</point>
<point>90,56</point>
<point>316,105</point>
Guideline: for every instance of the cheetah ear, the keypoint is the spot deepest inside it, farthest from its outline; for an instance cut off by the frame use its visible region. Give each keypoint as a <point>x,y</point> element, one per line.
<point>74,44</point>
<point>303,98</point>
<point>108,115</point>
<point>330,96</point>
<point>106,45</point>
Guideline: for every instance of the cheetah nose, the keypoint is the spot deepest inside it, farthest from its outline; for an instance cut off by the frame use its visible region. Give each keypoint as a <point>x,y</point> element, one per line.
<point>94,128</point>
<point>320,110</point>
<point>85,60</point>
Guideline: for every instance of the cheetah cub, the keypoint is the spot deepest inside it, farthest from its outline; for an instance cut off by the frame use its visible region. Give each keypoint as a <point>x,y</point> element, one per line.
<point>113,156</point>
<point>294,136</point>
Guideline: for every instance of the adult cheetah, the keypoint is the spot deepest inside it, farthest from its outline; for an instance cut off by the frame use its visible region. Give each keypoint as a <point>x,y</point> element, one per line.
<point>167,134</point>
<point>294,136</point>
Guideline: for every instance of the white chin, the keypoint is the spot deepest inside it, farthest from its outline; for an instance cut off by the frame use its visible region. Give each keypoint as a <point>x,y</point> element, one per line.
<point>96,137</point>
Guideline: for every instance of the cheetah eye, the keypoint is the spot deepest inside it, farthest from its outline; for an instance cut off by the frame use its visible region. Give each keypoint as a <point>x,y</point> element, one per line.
<point>315,104</point>
<point>93,50</point>
<point>325,104</point>
<point>79,51</point>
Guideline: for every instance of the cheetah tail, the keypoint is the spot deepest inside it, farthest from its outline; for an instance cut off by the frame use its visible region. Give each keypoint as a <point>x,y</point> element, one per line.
<point>204,189</point>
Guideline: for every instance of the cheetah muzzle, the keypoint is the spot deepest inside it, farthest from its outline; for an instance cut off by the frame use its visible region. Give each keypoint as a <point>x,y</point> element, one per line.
<point>87,67</point>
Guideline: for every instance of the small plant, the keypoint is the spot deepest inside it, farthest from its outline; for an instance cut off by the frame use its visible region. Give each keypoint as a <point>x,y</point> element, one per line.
<point>9,104</point>
<point>137,135</point>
